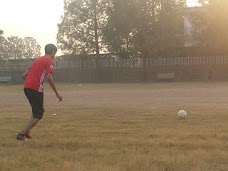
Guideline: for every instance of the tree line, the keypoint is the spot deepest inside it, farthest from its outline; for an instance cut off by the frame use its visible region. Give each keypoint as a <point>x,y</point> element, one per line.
<point>146,27</point>
<point>14,47</point>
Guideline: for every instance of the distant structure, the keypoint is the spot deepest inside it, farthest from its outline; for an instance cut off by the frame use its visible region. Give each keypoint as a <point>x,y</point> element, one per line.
<point>189,29</point>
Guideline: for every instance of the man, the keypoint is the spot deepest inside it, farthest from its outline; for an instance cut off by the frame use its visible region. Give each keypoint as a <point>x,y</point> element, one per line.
<point>210,74</point>
<point>33,87</point>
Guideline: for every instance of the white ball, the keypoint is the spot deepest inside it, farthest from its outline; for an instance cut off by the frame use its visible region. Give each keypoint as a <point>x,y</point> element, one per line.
<point>182,114</point>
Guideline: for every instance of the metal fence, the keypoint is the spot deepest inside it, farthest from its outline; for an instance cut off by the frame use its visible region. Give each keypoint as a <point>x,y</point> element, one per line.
<point>113,63</point>
<point>137,62</point>
<point>124,70</point>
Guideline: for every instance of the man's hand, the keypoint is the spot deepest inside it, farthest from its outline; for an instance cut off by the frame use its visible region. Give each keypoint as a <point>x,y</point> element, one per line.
<point>59,97</point>
<point>52,84</point>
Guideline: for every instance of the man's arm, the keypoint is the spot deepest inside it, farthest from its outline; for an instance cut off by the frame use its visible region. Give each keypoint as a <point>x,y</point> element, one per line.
<point>52,84</point>
<point>25,74</point>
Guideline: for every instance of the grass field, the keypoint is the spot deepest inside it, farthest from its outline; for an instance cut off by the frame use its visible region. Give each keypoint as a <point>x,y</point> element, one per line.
<point>118,127</point>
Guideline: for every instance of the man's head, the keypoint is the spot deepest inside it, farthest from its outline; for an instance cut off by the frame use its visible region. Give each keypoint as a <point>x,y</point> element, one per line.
<point>50,50</point>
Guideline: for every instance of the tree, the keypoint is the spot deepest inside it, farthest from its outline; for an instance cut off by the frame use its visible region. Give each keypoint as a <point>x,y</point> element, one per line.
<point>146,26</point>
<point>2,45</point>
<point>14,47</point>
<point>17,48</point>
<point>80,31</point>
<point>213,23</point>
<point>31,48</point>
<point>170,27</point>
<point>120,27</point>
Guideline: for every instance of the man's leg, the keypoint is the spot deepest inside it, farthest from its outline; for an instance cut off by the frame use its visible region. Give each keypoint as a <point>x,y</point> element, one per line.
<point>36,101</point>
<point>32,122</point>
<point>25,133</point>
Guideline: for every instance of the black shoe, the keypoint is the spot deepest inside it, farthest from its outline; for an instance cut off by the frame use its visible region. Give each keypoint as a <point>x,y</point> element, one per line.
<point>21,137</point>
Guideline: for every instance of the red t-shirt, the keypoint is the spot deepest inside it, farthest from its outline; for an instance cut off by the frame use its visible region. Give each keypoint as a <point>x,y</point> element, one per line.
<point>37,72</point>
<point>210,71</point>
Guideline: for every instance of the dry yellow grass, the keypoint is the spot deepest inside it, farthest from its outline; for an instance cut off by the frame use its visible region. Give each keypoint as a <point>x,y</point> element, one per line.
<point>119,127</point>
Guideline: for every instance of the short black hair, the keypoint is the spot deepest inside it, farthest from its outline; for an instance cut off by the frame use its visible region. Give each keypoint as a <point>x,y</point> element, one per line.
<point>49,48</point>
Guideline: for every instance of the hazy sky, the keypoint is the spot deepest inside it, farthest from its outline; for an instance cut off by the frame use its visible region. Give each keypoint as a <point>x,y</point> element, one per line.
<point>34,18</point>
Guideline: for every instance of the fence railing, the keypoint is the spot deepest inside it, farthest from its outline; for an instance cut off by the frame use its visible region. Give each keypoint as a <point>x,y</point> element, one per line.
<point>127,63</point>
